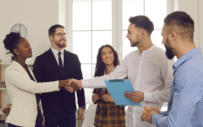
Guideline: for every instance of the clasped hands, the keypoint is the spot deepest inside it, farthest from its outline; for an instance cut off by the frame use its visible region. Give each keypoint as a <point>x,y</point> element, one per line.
<point>73,85</point>
<point>148,113</point>
<point>105,98</point>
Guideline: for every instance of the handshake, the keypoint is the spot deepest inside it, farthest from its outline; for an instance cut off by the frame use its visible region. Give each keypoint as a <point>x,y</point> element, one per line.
<point>148,113</point>
<point>73,85</point>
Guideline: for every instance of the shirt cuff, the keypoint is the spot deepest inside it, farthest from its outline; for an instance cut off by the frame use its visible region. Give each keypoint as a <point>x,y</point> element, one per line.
<point>147,96</point>
<point>85,84</point>
<point>159,120</point>
<point>56,88</point>
<point>154,118</point>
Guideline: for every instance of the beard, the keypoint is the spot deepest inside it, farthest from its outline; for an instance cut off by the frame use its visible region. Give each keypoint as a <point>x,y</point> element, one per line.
<point>61,44</point>
<point>169,50</point>
<point>134,43</point>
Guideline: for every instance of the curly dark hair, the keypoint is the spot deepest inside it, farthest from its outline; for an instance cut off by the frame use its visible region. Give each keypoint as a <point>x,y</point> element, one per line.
<point>11,41</point>
<point>100,66</point>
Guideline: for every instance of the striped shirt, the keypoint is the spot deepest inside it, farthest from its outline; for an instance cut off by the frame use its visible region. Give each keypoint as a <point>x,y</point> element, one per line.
<point>185,106</point>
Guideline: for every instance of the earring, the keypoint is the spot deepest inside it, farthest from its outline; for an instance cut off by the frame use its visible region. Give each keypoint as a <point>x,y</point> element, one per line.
<point>18,54</point>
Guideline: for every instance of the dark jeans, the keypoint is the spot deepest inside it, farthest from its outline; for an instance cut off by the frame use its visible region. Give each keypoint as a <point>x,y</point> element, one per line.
<point>11,125</point>
<point>62,120</point>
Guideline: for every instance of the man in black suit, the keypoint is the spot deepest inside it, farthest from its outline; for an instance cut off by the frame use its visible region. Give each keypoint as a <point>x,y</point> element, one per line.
<point>57,64</point>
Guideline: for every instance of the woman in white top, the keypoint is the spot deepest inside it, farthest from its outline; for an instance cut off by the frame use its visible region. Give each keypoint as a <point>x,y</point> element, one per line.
<point>22,86</point>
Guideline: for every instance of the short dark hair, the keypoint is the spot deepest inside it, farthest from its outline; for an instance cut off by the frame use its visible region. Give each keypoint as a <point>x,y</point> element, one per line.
<point>53,28</point>
<point>142,22</point>
<point>182,20</point>
<point>100,66</point>
<point>11,41</point>
<point>179,18</point>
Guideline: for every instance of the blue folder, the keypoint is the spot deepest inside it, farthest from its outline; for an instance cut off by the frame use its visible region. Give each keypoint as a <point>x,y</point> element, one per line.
<point>117,88</point>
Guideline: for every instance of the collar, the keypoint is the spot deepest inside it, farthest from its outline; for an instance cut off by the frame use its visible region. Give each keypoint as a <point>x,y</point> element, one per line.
<point>110,72</point>
<point>55,52</point>
<point>146,51</point>
<point>185,57</point>
<point>16,65</point>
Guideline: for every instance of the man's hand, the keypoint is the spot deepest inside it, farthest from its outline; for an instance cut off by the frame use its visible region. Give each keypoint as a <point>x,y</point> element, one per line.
<point>107,98</point>
<point>145,115</point>
<point>95,98</point>
<point>136,97</point>
<point>73,85</point>
<point>148,113</point>
<point>43,121</point>
<point>6,111</point>
<point>80,113</point>
<point>155,109</point>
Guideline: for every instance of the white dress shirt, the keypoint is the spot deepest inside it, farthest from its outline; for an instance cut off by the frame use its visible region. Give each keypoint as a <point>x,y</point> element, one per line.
<point>55,52</point>
<point>150,72</point>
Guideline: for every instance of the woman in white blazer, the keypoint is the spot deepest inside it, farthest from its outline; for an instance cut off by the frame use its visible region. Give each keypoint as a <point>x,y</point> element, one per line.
<point>22,86</point>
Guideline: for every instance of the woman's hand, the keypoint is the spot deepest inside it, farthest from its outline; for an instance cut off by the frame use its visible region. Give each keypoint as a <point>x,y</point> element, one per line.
<point>95,98</point>
<point>6,111</point>
<point>107,98</point>
<point>43,121</point>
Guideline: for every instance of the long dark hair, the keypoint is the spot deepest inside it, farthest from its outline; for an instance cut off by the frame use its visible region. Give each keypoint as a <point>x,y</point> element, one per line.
<point>100,66</point>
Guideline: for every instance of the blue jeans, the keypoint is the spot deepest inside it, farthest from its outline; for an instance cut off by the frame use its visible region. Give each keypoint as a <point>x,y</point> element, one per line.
<point>62,120</point>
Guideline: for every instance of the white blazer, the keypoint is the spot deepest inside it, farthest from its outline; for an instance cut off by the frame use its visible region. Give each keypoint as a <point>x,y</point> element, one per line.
<point>21,90</point>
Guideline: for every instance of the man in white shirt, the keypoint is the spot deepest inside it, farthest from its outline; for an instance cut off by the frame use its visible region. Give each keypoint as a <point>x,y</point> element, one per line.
<point>148,69</point>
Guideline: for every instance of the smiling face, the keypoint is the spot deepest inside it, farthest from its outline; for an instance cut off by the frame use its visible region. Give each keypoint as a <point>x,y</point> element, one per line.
<point>133,35</point>
<point>58,38</point>
<point>23,49</point>
<point>107,56</point>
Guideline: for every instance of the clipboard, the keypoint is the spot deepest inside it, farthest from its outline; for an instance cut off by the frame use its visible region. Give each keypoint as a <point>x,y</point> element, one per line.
<point>117,88</point>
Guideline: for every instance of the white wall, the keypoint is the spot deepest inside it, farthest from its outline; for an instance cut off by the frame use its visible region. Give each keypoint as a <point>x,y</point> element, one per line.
<point>194,9</point>
<point>38,15</point>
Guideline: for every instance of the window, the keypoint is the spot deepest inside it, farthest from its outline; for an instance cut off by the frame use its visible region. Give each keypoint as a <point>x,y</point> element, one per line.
<point>93,23</point>
<point>156,10</point>
<point>92,27</point>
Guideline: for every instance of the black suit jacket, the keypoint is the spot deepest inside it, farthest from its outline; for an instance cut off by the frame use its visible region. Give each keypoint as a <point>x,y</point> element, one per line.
<point>46,69</point>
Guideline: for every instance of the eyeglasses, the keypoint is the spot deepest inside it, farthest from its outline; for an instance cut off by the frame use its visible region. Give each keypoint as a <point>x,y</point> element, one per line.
<point>62,34</point>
